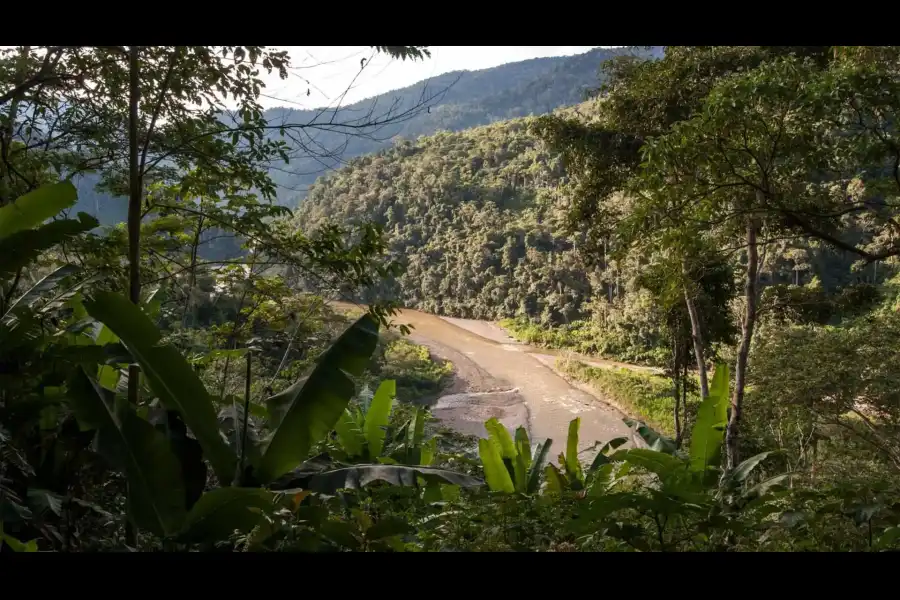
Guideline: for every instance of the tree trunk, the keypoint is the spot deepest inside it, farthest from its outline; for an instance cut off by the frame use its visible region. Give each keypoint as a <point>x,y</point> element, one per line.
<point>697,338</point>
<point>740,370</point>
<point>134,176</point>
<point>676,389</point>
<point>134,205</point>
<point>134,232</point>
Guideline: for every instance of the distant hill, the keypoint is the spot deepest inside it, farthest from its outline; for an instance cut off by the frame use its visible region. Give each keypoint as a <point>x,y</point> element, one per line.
<point>462,99</point>
<point>472,216</point>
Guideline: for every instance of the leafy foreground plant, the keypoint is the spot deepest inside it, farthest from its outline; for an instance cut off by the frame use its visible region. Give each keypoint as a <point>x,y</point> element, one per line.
<point>629,488</point>
<point>363,433</point>
<point>157,460</point>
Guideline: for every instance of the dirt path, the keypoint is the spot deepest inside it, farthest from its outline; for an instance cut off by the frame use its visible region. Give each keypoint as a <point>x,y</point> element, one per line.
<point>499,377</point>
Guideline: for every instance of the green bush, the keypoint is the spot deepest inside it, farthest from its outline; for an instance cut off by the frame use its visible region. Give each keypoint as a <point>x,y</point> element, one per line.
<point>645,396</point>
<point>585,337</point>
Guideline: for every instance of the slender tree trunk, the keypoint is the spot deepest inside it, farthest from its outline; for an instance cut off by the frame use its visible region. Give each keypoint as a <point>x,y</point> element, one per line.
<point>134,205</point>
<point>740,370</point>
<point>134,230</point>
<point>193,274</point>
<point>676,392</point>
<point>134,199</point>
<point>696,337</point>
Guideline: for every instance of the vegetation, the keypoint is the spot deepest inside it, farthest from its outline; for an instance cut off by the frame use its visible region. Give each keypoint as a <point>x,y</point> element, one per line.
<point>644,395</point>
<point>722,211</point>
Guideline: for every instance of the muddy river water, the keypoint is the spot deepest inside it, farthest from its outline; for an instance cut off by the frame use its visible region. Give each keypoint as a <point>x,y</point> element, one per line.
<point>499,377</point>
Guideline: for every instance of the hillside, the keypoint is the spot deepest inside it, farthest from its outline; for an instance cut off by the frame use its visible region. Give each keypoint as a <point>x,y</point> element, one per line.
<point>469,213</point>
<point>462,99</point>
<point>476,218</point>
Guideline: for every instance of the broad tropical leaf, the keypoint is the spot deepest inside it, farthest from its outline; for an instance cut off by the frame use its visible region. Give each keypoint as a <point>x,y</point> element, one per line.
<point>222,511</point>
<point>743,470</point>
<point>155,489</point>
<point>20,248</point>
<point>316,405</point>
<point>428,452</point>
<point>349,434</point>
<point>522,460</point>
<point>35,207</point>
<point>44,285</point>
<point>573,465</point>
<point>709,429</point>
<point>601,480</point>
<point>601,458</point>
<point>495,472</point>
<point>537,464</point>
<point>656,462</point>
<point>654,440</point>
<point>168,374</point>
<point>499,436</point>
<point>359,476</point>
<point>556,482</point>
<point>378,415</point>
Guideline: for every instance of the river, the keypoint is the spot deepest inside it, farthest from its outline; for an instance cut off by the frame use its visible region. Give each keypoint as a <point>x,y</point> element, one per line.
<point>495,376</point>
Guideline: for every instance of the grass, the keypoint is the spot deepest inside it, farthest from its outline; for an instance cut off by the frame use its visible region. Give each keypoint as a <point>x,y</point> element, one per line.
<point>418,377</point>
<point>644,396</point>
<point>582,337</point>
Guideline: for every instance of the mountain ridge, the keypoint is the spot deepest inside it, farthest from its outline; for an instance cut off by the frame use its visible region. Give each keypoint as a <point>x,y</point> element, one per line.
<point>518,89</point>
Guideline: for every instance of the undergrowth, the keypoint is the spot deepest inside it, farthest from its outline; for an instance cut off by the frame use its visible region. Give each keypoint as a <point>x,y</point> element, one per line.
<point>644,396</point>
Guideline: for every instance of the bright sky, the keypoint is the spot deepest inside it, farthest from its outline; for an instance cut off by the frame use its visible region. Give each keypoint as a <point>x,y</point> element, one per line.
<point>327,72</point>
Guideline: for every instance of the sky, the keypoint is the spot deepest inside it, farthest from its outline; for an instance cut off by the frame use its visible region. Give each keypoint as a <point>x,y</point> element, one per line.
<point>328,75</point>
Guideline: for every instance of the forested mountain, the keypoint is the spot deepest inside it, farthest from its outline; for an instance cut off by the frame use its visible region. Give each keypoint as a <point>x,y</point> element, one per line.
<point>476,218</point>
<point>455,101</point>
<point>470,216</point>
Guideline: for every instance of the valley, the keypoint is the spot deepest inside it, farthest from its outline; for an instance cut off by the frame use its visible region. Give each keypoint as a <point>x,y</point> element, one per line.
<point>498,377</point>
<point>630,300</point>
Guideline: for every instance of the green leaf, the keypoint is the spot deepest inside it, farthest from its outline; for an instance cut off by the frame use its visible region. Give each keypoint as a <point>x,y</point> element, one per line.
<point>523,459</point>
<point>495,472</point>
<point>316,405</point>
<point>499,436</point>
<point>417,428</point>
<point>155,488</point>
<point>41,500</point>
<point>556,482</point>
<point>523,446</point>
<point>709,429</point>
<point>601,458</point>
<point>349,435</point>
<point>359,476</point>
<point>573,465</point>
<point>388,526</point>
<point>429,450</point>
<point>222,511</point>
<point>169,375</point>
<point>378,415</point>
<point>657,442</point>
<point>537,464</point>
<point>108,377</point>
<point>18,546</point>
<point>44,285</point>
<point>601,480</point>
<point>656,462</point>
<point>887,538</point>
<point>22,247</point>
<point>35,207</point>
<point>743,470</point>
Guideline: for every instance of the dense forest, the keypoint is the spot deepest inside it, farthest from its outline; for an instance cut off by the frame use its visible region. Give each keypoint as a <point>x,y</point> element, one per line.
<point>727,214</point>
<point>478,220</point>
